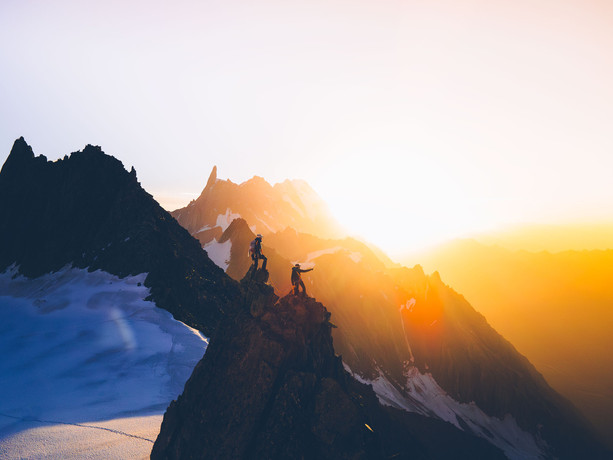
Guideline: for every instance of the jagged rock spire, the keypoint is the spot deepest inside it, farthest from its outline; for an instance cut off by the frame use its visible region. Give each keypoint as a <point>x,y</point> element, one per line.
<point>212,177</point>
<point>20,154</point>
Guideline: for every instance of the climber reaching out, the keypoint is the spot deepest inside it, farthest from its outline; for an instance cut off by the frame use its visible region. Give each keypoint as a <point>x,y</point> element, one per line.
<point>255,251</point>
<point>297,279</point>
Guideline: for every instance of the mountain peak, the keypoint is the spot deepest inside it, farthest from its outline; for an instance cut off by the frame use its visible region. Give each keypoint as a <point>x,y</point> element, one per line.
<point>21,148</point>
<point>21,154</point>
<point>92,150</point>
<point>257,181</point>
<point>94,214</point>
<point>238,226</point>
<point>212,177</point>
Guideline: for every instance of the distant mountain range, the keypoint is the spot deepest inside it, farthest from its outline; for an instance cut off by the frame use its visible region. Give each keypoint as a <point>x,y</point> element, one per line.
<point>271,384</point>
<point>556,308</point>
<point>267,208</point>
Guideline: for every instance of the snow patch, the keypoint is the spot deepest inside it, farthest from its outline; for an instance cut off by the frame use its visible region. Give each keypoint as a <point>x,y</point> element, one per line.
<point>219,253</point>
<point>310,199</point>
<point>409,307</point>
<point>130,437</point>
<point>268,227</point>
<point>314,255</point>
<point>310,258</point>
<point>224,220</point>
<point>287,199</point>
<point>424,396</point>
<point>81,348</point>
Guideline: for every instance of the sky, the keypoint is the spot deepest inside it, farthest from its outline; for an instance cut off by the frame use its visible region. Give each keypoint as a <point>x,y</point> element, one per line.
<point>416,121</point>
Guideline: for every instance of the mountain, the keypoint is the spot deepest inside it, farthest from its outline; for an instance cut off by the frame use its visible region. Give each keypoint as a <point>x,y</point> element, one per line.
<point>84,253</point>
<point>86,210</point>
<point>271,386</point>
<point>422,346</point>
<point>555,308</point>
<point>267,208</point>
<point>89,361</point>
<point>430,358</point>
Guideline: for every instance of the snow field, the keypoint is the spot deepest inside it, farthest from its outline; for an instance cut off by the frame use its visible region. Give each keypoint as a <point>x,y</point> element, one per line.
<point>81,348</point>
<point>219,253</point>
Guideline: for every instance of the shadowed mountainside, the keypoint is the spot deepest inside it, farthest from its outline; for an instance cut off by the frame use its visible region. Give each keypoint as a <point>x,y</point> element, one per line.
<point>88,211</point>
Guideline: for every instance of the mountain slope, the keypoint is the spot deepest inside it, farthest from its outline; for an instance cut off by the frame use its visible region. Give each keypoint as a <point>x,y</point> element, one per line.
<point>555,307</point>
<point>87,210</point>
<point>425,349</point>
<point>271,386</point>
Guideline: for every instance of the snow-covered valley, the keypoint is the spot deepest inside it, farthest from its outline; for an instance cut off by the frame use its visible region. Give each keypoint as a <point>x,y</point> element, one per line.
<point>87,366</point>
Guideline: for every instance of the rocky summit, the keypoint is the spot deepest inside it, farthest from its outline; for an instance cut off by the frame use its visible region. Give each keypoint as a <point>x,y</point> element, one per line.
<point>88,211</point>
<point>271,386</point>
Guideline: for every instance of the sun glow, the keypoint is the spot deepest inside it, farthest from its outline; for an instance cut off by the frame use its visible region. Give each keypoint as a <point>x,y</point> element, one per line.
<point>401,193</point>
<point>416,122</point>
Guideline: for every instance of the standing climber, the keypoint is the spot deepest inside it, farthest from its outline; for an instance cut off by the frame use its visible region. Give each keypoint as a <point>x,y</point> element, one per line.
<point>255,251</point>
<point>297,279</point>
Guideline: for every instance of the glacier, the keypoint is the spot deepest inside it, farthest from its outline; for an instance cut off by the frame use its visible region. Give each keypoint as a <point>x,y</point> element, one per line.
<point>88,366</point>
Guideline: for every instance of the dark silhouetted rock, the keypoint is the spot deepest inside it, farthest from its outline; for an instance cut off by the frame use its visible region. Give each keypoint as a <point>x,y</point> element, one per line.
<point>271,387</point>
<point>88,211</point>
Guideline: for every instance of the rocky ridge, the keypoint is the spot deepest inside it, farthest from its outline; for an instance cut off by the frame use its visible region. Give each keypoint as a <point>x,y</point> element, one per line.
<point>271,386</point>
<point>401,329</point>
<point>86,210</point>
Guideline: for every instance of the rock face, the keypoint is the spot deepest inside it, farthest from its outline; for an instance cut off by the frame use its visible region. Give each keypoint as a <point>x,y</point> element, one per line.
<point>88,211</point>
<point>270,386</point>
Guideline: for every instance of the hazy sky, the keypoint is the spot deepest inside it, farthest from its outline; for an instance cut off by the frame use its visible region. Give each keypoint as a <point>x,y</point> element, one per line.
<point>416,121</point>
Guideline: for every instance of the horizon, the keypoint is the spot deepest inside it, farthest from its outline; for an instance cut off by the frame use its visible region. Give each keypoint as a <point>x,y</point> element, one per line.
<point>526,236</point>
<point>415,123</point>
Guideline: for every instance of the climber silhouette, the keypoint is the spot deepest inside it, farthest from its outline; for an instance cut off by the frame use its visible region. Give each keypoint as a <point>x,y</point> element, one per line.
<point>297,279</point>
<point>255,251</point>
